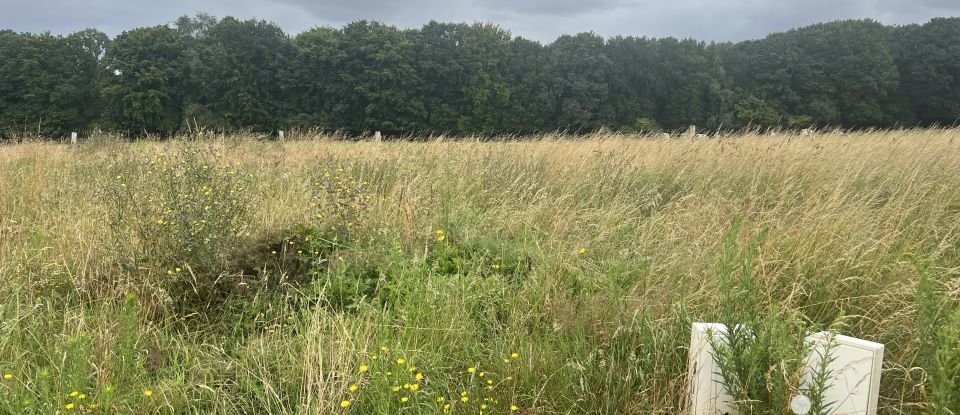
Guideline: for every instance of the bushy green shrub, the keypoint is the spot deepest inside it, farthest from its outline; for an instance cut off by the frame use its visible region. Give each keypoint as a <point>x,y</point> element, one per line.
<point>177,219</point>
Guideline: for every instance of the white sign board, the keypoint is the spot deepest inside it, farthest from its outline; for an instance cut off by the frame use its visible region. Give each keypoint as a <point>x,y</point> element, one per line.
<point>853,386</point>
<point>708,396</point>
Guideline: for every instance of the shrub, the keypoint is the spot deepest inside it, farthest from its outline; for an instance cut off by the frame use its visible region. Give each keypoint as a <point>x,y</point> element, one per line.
<point>177,219</point>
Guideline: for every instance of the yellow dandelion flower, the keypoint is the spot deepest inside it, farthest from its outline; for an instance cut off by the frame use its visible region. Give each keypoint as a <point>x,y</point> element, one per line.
<point>69,406</point>
<point>344,403</point>
<point>464,393</point>
<point>82,396</point>
<point>582,251</point>
<point>404,399</point>
<point>440,399</point>
<point>446,408</point>
<point>354,387</point>
<point>364,368</point>
<point>7,376</point>
<point>415,387</point>
<point>514,408</point>
<point>464,399</point>
<point>74,394</point>
<point>374,357</point>
<point>148,393</point>
<point>401,361</point>
<point>471,369</point>
<point>483,406</point>
<point>482,374</point>
<point>396,389</point>
<point>515,355</point>
<point>412,369</point>
<point>419,376</point>
<point>489,381</point>
<point>406,386</point>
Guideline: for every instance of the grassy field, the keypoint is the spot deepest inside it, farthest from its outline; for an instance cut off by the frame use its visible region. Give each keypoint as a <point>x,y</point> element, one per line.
<point>233,276</point>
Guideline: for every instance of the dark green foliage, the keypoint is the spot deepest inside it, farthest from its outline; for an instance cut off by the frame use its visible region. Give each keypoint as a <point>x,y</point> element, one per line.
<point>483,257</point>
<point>237,67</point>
<point>144,81</point>
<point>457,78</point>
<point>48,84</point>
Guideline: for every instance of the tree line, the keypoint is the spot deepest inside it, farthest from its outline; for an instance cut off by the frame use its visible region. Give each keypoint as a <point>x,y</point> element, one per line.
<point>456,78</point>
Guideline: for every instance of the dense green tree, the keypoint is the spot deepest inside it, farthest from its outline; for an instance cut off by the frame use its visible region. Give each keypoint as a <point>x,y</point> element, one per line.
<point>531,102</point>
<point>928,60</point>
<point>48,84</point>
<point>238,69</point>
<point>581,74</point>
<point>376,82</point>
<point>460,78</point>
<point>311,81</point>
<point>144,87</point>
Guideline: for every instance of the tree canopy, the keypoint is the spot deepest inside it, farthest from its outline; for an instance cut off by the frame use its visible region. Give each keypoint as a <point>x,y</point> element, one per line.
<point>455,78</point>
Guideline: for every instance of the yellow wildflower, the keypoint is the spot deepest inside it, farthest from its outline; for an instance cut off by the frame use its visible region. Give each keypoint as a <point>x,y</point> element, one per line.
<point>582,251</point>
<point>74,394</point>
<point>471,369</point>
<point>401,361</point>
<point>7,376</point>
<point>515,355</point>
<point>419,376</point>
<point>354,387</point>
<point>69,406</point>
<point>364,368</point>
<point>404,399</point>
<point>514,408</point>
<point>148,393</point>
<point>344,403</point>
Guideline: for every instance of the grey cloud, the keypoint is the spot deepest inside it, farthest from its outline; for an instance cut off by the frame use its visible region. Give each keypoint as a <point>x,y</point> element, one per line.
<point>551,7</point>
<point>543,20</point>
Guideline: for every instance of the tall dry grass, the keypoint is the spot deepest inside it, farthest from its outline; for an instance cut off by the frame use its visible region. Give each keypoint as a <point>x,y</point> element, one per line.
<point>624,236</point>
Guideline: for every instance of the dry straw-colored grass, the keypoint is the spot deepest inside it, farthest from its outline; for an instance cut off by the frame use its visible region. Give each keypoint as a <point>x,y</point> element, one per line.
<point>848,216</point>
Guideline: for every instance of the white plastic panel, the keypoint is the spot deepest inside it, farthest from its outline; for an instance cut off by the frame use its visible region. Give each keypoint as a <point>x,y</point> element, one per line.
<point>854,384</point>
<point>707,394</point>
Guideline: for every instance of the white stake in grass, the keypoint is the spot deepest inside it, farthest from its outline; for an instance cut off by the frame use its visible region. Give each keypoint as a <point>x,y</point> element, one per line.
<point>852,384</point>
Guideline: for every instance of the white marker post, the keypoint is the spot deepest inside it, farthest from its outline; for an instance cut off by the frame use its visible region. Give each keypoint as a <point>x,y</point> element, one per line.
<point>852,387</point>
<point>708,396</point>
<point>73,137</point>
<point>377,137</point>
<point>854,365</point>
<point>280,135</point>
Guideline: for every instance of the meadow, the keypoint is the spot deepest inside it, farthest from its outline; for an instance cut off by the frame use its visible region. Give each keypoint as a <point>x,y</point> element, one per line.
<point>558,275</point>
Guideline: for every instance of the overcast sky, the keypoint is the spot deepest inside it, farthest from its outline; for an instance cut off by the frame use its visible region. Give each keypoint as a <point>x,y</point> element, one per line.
<point>541,20</point>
